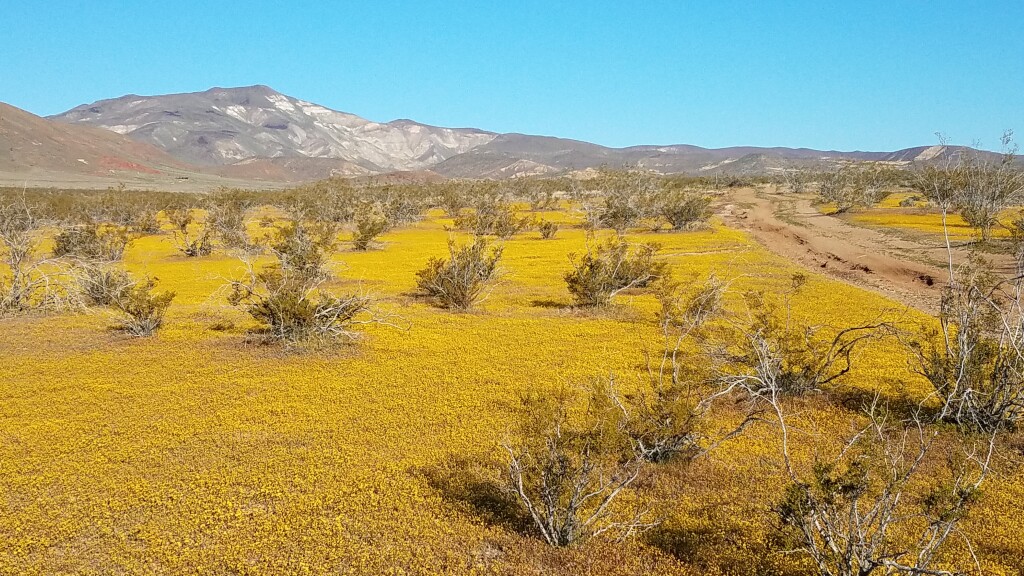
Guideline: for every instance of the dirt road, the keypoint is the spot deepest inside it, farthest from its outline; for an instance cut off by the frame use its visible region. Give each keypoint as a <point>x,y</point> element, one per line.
<point>909,271</point>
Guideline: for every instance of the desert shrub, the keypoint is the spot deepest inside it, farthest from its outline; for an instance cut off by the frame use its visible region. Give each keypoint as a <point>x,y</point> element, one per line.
<point>667,416</point>
<point>986,187</point>
<point>92,241</point>
<point>191,238</point>
<point>142,310</point>
<point>865,511</point>
<point>399,204</point>
<point>225,220</point>
<point>463,278</point>
<point>492,218</point>
<point>304,248</point>
<point>629,196</point>
<point>685,210</point>
<point>771,354</point>
<point>911,201</point>
<point>29,281</point>
<point>453,198</point>
<point>857,185</point>
<point>611,267</point>
<point>974,359</point>
<point>569,478</point>
<point>547,229</point>
<point>101,284</point>
<point>795,180</point>
<point>542,194</point>
<point>369,225</point>
<point>291,307</point>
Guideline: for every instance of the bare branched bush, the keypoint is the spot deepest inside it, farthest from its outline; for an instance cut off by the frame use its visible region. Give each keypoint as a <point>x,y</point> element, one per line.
<point>975,359</point>
<point>667,416</point>
<point>461,280</point>
<point>611,267</point>
<point>30,281</point>
<point>92,241</point>
<point>192,238</point>
<point>773,355</point>
<point>142,309</point>
<point>570,479</point>
<point>869,510</point>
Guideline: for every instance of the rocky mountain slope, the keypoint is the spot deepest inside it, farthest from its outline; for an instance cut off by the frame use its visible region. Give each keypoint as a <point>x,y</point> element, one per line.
<point>29,143</point>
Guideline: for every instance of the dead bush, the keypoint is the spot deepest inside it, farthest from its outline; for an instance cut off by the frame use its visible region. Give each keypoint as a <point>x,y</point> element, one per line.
<point>461,280</point>
<point>609,268</point>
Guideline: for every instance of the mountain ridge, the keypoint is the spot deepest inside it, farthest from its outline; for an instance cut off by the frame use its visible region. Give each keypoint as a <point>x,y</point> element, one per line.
<point>258,132</point>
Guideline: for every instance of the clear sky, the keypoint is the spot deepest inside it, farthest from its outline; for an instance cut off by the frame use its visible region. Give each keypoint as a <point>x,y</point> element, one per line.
<point>867,75</point>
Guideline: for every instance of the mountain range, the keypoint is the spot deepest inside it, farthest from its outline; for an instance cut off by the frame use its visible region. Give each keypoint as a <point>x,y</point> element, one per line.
<point>258,134</point>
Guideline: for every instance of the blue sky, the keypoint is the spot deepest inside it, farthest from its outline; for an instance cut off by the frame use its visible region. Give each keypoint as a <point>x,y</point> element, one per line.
<point>835,75</point>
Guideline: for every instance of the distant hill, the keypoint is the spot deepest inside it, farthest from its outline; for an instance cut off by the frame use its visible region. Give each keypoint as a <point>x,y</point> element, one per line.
<point>30,144</point>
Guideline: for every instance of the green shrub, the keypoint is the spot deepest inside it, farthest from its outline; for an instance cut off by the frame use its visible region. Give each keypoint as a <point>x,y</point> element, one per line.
<point>461,280</point>
<point>607,269</point>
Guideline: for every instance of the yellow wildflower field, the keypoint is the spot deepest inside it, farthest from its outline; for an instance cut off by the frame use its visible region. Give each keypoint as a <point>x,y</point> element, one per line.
<point>198,452</point>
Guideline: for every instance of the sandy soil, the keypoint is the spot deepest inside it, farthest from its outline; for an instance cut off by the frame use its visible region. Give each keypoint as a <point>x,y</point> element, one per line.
<point>910,271</point>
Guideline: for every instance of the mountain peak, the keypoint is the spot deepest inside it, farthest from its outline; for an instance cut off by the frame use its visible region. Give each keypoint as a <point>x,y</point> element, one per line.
<point>230,125</point>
